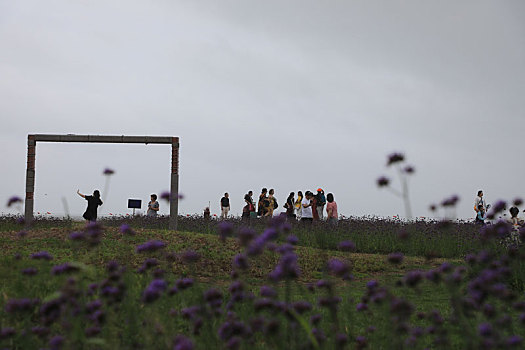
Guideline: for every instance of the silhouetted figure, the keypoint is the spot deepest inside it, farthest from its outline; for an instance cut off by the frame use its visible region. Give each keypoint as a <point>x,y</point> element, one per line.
<point>93,203</point>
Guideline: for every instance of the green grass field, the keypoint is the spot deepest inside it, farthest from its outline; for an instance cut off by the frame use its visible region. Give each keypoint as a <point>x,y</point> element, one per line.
<point>131,322</point>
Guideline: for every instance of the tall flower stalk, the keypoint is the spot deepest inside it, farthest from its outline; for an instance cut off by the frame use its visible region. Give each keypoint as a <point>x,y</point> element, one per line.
<point>403,170</point>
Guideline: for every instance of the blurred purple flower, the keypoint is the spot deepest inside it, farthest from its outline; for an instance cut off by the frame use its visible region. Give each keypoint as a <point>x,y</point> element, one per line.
<point>150,246</point>
<point>240,261</point>
<point>166,195</point>
<point>485,329</point>
<point>63,268</point>
<point>7,332</point>
<point>450,202</point>
<point>40,331</point>
<point>517,202</point>
<point>42,255</point>
<point>14,200</point>
<point>267,291</point>
<point>361,307</point>
<point>108,171</point>
<point>395,258</point>
<point>20,305</point>
<point>225,229</point>
<point>182,343</point>
<point>154,290</point>
<point>184,283</point>
<point>292,239</point>
<point>125,229</point>
<point>301,306</point>
<point>56,342</point>
<point>30,271</point>
<point>412,278</point>
<point>346,246</point>
<point>383,181</point>
<point>514,340</point>
<point>409,169</point>
<point>246,235</point>
<point>395,157</point>
<point>338,267</point>
<point>190,256</point>
<point>77,236</point>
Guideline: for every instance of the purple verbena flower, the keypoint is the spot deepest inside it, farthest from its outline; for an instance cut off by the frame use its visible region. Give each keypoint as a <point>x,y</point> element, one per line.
<point>182,343</point>
<point>245,236</point>
<point>14,200</point>
<point>450,202</point>
<point>63,268</point>
<point>346,246</point>
<point>301,306</point>
<point>241,261</point>
<point>77,236</point>
<point>7,332</point>
<point>383,181</point>
<point>485,329</point>
<point>150,246</point>
<point>412,278</point>
<point>190,256</point>
<point>395,157</point>
<point>267,291</point>
<point>395,258</point>
<point>184,283</point>
<point>225,229</point>
<point>125,229</point>
<point>409,169</point>
<point>30,271</point>
<point>56,342</point>
<point>338,267</point>
<point>43,255</point>
<point>292,239</point>
<point>154,290</point>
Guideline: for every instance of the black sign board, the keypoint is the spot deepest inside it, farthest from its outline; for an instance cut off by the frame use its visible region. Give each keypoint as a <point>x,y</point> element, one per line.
<point>134,203</point>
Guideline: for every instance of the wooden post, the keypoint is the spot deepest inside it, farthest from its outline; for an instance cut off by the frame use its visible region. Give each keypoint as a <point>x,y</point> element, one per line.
<point>30,179</point>
<point>174,186</point>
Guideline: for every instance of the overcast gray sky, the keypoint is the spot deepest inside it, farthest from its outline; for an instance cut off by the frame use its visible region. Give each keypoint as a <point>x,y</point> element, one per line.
<point>291,95</point>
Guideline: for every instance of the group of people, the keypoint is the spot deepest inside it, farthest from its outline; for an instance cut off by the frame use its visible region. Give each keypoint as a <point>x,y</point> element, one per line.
<point>306,208</point>
<point>481,212</point>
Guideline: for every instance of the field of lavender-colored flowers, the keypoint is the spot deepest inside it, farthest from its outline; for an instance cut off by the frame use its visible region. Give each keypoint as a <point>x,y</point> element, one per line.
<point>129,283</point>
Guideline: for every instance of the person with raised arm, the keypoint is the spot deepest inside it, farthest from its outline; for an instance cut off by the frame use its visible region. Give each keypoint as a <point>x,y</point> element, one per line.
<point>94,202</point>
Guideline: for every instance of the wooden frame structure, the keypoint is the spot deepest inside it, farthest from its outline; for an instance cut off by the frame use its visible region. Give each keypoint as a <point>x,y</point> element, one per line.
<point>32,139</point>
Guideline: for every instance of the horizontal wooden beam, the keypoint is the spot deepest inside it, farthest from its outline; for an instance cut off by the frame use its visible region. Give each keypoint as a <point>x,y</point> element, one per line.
<point>105,139</point>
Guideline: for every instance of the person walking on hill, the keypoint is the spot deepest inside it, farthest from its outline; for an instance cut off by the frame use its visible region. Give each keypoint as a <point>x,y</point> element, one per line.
<point>321,201</point>
<point>272,203</point>
<point>153,206</point>
<point>94,202</point>
<point>331,209</point>
<point>298,208</point>
<point>306,207</point>
<point>262,204</point>
<point>225,206</point>
<point>290,205</point>
<point>249,207</point>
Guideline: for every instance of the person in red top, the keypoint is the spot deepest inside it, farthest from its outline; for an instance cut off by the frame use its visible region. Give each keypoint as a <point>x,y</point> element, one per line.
<point>331,209</point>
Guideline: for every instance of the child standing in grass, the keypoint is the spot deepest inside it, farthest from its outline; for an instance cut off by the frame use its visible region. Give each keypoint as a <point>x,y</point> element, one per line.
<point>481,216</point>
